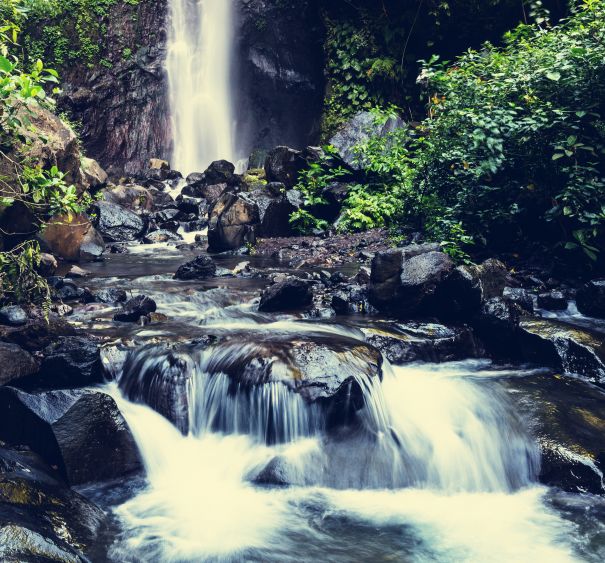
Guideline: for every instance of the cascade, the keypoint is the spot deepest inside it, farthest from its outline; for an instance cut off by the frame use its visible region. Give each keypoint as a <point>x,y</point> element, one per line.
<point>199,78</point>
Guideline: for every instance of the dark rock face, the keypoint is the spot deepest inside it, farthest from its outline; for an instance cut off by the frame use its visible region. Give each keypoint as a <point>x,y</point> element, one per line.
<point>131,196</point>
<point>81,432</point>
<point>201,268</point>
<point>124,109</point>
<point>284,164</point>
<point>117,224</point>
<point>135,308</point>
<point>287,295</point>
<point>71,361</point>
<point>496,325</point>
<point>16,363</point>
<point>74,239</point>
<point>590,299</point>
<point>111,295</point>
<point>359,129</point>
<point>552,301</point>
<point>519,296</point>
<point>352,299</point>
<point>426,342</point>
<point>13,315</point>
<point>162,235</point>
<point>279,46</point>
<point>41,518</point>
<point>232,222</point>
<point>274,212</point>
<point>219,172</point>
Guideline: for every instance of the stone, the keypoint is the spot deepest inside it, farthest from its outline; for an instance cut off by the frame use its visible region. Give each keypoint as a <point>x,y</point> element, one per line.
<point>520,296</point>
<point>111,295</point>
<point>93,175</point>
<point>284,164</point>
<point>82,432</point>
<point>13,315</point>
<point>158,164</point>
<point>162,235</point>
<point>117,224</point>
<point>496,325</point>
<point>73,238</point>
<point>232,222</point>
<point>274,213</point>
<point>202,267</point>
<point>16,363</point>
<point>494,277</point>
<point>48,264</point>
<point>130,196</point>
<point>353,299</point>
<point>219,172</point>
<point>77,272</point>
<point>590,299</point>
<point>135,308</point>
<point>552,301</point>
<point>287,295</point>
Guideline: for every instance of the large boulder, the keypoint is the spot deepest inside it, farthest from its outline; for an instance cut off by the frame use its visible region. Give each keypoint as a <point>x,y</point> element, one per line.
<point>82,432</point>
<point>13,315</point>
<point>284,164</point>
<point>73,238</point>
<point>358,129</point>
<point>288,295</point>
<point>132,197</point>
<point>590,299</point>
<point>135,308</point>
<point>16,363</point>
<point>219,172</point>
<point>41,519</point>
<point>275,210</point>
<point>202,267</point>
<point>233,221</point>
<point>116,223</point>
<point>93,176</point>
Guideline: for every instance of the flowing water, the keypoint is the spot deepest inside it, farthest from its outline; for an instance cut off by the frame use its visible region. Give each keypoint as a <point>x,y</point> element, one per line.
<point>199,77</point>
<point>439,466</point>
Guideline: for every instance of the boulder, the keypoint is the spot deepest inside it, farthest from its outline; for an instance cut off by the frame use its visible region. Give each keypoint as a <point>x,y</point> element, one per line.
<point>275,210</point>
<point>48,265</point>
<point>42,519</point>
<point>233,221</point>
<point>519,296</point>
<point>287,295</point>
<point>284,165</point>
<point>219,172</point>
<point>73,238</point>
<point>158,164</point>
<point>93,176</point>
<point>162,235</point>
<point>16,363</point>
<point>352,299</point>
<point>37,333</point>
<point>132,197</point>
<point>358,129</point>
<point>552,301</point>
<point>590,299</point>
<point>421,342</point>
<point>493,275</point>
<point>496,325</point>
<point>111,295</point>
<point>81,432</point>
<point>202,267</point>
<point>135,308</point>
<point>13,315</point>
<point>117,224</point>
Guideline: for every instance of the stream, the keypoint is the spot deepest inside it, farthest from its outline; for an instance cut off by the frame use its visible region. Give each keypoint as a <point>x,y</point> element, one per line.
<point>440,465</point>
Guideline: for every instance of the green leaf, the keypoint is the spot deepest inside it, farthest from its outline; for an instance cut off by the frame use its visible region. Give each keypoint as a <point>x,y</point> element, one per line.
<point>5,65</point>
<point>553,75</point>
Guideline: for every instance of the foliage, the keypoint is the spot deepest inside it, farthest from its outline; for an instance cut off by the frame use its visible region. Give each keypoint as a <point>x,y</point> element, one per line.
<point>19,280</point>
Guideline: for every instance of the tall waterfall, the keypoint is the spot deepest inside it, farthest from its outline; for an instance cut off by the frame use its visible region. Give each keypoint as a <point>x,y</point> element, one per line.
<point>199,77</point>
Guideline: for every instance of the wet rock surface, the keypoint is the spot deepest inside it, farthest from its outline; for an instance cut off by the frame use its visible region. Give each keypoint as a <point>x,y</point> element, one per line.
<point>201,268</point>
<point>287,295</point>
<point>16,363</point>
<point>116,223</point>
<point>590,299</point>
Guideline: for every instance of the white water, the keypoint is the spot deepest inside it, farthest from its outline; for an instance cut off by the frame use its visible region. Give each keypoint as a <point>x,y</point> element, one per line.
<point>199,77</point>
<point>472,496</point>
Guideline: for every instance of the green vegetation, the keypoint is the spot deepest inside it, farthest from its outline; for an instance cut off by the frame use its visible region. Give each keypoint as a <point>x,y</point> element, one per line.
<point>511,151</point>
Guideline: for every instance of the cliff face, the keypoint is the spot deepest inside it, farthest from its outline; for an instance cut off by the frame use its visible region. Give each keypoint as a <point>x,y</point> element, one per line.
<point>279,72</point>
<point>122,102</point>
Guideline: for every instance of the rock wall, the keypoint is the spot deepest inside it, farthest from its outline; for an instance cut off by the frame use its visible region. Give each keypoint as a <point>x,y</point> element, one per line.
<point>122,102</point>
<point>279,72</point>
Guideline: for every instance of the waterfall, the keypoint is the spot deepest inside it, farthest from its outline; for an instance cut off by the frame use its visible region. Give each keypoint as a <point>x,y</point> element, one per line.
<point>199,78</point>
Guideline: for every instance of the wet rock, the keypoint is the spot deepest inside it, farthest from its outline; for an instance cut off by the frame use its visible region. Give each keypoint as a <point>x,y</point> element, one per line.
<point>80,431</point>
<point>135,308</point>
<point>421,342</point>
<point>37,333</point>
<point>48,265</point>
<point>567,418</point>
<point>42,520</point>
<point>284,164</point>
<point>353,299</point>
<point>407,281</point>
<point>519,296</point>
<point>219,172</point>
<point>274,212</point>
<point>232,222</point>
<point>187,205</point>
<point>77,272</point>
<point>497,324</point>
<point>70,361</point>
<point>132,197</point>
<point>73,238</point>
<point>590,299</point>
<point>93,176</point>
<point>117,224</point>
<point>165,215</point>
<point>202,267</point>
<point>564,347</point>
<point>111,295</point>
<point>493,275</point>
<point>162,235</point>
<point>158,164</point>
<point>13,315</point>
<point>552,301</point>
<point>162,200</point>
<point>16,363</point>
<point>359,129</point>
<point>287,295</point>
